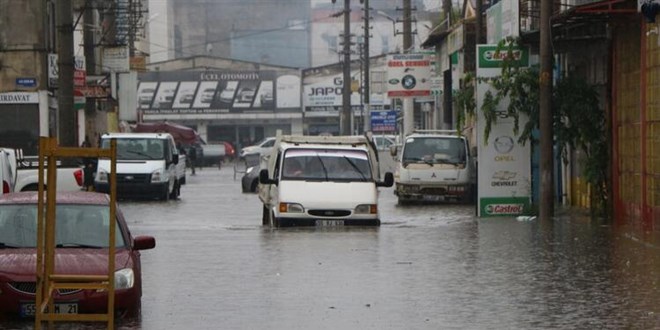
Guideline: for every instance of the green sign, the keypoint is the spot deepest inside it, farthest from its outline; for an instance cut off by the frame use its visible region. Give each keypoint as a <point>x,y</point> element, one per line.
<point>504,206</point>
<point>490,57</point>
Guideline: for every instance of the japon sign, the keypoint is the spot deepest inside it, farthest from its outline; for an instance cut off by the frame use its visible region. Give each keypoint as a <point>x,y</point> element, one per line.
<point>409,75</point>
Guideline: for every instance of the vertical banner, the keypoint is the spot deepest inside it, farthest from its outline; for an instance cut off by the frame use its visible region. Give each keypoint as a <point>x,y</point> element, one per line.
<point>504,171</point>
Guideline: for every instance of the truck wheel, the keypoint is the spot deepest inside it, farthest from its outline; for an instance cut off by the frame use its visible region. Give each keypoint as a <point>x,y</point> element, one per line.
<point>32,187</point>
<point>403,201</point>
<point>175,192</point>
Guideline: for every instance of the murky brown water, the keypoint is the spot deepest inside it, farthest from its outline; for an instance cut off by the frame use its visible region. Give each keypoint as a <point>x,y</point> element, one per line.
<point>426,267</point>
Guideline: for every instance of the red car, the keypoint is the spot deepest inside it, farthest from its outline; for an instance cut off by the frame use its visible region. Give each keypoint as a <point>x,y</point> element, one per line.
<point>82,224</point>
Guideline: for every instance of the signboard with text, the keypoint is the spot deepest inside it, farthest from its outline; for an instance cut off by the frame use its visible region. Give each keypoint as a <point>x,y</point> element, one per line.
<point>504,172</point>
<point>383,121</point>
<point>409,75</point>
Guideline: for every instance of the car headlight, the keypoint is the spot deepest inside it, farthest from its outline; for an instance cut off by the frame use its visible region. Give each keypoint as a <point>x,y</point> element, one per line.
<point>102,176</point>
<point>249,169</point>
<point>366,209</point>
<point>124,278</point>
<point>157,176</point>
<point>291,208</point>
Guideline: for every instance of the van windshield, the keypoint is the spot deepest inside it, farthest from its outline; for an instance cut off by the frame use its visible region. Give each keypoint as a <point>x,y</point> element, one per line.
<point>138,148</point>
<point>434,150</point>
<point>326,165</point>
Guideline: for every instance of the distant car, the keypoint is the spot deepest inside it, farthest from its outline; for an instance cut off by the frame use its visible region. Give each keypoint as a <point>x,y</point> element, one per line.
<point>250,179</point>
<point>81,238</point>
<point>383,142</point>
<point>262,147</point>
<point>229,150</point>
<point>266,97</point>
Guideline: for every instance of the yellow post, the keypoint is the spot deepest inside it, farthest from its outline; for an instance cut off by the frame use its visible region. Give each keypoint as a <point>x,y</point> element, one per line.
<point>47,281</point>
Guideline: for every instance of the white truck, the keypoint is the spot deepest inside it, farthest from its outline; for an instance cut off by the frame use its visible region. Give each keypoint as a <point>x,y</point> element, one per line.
<point>148,165</point>
<point>434,165</point>
<point>321,181</point>
<point>25,173</point>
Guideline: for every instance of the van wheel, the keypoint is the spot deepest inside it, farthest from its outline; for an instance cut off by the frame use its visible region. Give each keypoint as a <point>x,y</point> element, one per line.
<point>274,222</point>
<point>165,194</point>
<point>265,221</point>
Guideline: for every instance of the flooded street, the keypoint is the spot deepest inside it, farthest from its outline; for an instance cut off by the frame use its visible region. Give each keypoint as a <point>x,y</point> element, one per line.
<point>426,267</point>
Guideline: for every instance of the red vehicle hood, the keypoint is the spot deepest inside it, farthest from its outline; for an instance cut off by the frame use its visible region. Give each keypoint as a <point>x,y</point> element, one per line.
<point>19,265</point>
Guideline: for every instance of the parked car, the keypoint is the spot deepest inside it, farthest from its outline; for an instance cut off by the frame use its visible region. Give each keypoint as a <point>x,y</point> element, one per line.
<point>227,95</point>
<point>246,95</point>
<point>262,147</point>
<point>213,154</point>
<point>81,238</point>
<point>230,151</point>
<point>250,179</point>
<point>145,97</point>
<point>383,142</point>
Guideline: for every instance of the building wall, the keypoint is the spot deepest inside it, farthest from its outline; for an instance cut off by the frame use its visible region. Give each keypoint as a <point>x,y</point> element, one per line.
<point>636,116</point>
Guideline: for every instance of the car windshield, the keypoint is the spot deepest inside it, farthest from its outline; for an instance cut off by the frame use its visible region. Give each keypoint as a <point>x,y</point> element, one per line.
<point>434,150</point>
<point>77,225</point>
<point>326,165</point>
<point>138,148</point>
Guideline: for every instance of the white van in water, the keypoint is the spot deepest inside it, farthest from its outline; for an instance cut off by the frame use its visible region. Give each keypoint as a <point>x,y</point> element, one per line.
<point>434,165</point>
<point>321,181</point>
<point>146,165</point>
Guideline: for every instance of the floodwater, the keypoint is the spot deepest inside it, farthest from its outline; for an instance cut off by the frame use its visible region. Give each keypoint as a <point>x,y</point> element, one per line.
<point>425,267</point>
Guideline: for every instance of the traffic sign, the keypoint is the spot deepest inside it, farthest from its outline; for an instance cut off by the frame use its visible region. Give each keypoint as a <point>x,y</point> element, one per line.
<point>26,82</point>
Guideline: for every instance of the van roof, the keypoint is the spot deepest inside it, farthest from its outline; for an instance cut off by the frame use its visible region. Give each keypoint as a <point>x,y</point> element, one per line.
<point>308,139</point>
<point>137,135</point>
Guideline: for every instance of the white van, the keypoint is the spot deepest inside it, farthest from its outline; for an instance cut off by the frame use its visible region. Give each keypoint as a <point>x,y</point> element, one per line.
<point>434,165</point>
<point>146,165</point>
<point>321,181</point>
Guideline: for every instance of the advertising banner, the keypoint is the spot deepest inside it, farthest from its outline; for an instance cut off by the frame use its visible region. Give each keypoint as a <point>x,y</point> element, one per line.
<point>216,92</point>
<point>383,121</point>
<point>322,93</point>
<point>504,171</point>
<point>409,75</point>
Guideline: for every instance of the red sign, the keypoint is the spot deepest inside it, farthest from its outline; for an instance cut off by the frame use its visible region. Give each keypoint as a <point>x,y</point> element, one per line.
<point>79,77</point>
<point>94,91</point>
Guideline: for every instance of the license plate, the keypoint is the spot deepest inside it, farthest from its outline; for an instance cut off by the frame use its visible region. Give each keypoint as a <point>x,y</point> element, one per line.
<point>60,308</point>
<point>329,223</point>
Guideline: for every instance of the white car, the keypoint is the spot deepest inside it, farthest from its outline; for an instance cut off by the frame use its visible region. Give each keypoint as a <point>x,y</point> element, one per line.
<point>262,147</point>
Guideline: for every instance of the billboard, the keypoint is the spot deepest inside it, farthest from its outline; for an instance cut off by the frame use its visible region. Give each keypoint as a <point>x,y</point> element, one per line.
<point>217,92</point>
<point>504,172</point>
<point>409,75</point>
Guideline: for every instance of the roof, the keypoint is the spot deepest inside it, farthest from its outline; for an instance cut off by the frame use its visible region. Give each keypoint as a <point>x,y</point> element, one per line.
<point>71,197</point>
<point>340,140</point>
<point>160,135</point>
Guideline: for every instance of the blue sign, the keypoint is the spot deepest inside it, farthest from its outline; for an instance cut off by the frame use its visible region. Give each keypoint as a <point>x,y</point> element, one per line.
<point>26,82</point>
<point>383,121</point>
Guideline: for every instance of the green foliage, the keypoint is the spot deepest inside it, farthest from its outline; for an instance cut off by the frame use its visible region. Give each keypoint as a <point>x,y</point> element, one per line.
<point>578,121</point>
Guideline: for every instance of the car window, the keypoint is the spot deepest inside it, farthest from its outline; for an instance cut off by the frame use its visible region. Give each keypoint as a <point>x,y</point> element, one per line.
<point>138,148</point>
<point>268,144</point>
<point>76,226</point>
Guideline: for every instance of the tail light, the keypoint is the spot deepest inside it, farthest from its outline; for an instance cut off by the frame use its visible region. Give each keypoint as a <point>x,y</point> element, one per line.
<point>5,187</point>
<point>78,174</point>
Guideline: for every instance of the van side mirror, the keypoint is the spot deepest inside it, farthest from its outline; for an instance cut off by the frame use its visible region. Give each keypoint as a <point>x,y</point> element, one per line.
<point>264,179</point>
<point>393,150</point>
<point>388,180</point>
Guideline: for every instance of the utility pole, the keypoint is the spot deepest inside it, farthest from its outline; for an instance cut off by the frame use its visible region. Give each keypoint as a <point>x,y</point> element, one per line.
<point>479,22</point>
<point>365,89</point>
<point>546,205</point>
<point>408,103</point>
<point>90,24</point>
<point>346,111</point>
<point>66,116</point>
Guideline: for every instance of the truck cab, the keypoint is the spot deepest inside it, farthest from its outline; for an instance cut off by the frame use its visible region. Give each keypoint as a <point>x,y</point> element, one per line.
<point>321,181</point>
<point>434,166</point>
<point>147,165</point>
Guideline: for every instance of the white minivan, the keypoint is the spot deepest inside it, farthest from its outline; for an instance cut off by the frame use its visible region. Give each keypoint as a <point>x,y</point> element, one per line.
<point>321,181</point>
<point>146,165</point>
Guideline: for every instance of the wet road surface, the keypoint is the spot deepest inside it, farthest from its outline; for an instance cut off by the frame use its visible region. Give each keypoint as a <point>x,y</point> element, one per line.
<point>425,267</point>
